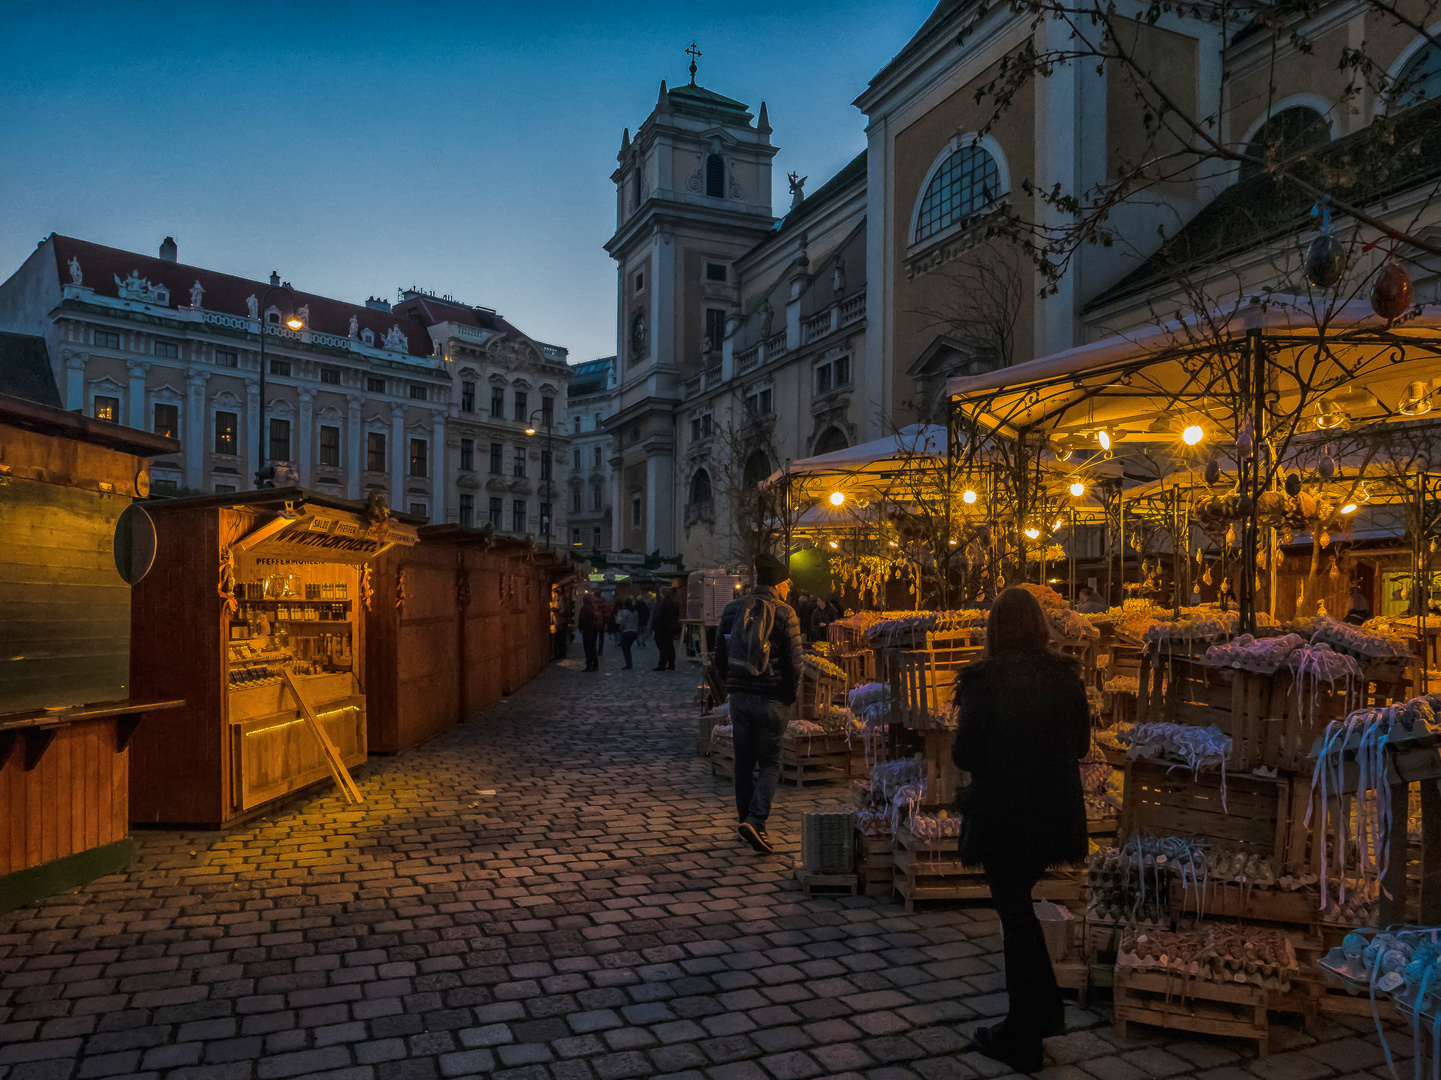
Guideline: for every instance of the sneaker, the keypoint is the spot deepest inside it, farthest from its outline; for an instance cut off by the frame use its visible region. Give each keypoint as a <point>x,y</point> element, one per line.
<point>755,837</point>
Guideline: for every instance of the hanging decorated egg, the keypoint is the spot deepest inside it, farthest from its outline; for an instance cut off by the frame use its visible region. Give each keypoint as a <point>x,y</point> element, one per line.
<point>1325,262</point>
<point>1391,293</point>
<point>1327,467</point>
<point>1244,438</point>
<point>1213,471</point>
<point>1244,506</point>
<point>1293,485</point>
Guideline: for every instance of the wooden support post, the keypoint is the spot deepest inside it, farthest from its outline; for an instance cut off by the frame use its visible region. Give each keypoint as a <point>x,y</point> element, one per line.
<point>1393,906</point>
<point>1430,914</point>
<point>342,775</point>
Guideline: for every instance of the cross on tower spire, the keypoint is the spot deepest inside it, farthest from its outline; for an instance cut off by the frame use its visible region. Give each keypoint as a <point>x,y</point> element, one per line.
<point>694,55</point>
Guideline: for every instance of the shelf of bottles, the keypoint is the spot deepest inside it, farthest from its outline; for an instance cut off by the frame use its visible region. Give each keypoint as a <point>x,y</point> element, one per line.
<point>284,624</point>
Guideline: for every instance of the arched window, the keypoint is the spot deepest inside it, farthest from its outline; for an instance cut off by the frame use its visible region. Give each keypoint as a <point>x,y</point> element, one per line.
<point>699,488</point>
<point>965,182</point>
<point>1286,135</point>
<point>757,468</point>
<point>715,177</point>
<point>831,440</point>
<point>1420,79</point>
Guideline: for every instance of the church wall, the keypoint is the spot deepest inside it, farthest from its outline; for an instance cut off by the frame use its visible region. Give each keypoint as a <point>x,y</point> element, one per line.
<point>1174,65</point>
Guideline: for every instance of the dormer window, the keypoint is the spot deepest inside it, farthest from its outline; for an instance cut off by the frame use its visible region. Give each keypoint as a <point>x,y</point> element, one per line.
<point>368,336</point>
<point>715,177</point>
<point>272,316</point>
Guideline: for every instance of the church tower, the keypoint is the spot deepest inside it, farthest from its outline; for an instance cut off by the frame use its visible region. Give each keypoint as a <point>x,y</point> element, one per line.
<point>693,192</point>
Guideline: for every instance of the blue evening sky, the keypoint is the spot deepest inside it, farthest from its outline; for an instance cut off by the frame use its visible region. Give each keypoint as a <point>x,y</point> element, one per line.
<point>358,148</point>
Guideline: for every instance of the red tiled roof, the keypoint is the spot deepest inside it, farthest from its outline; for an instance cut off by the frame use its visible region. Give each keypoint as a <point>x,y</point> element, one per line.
<point>430,310</point>
<point>101,265</point>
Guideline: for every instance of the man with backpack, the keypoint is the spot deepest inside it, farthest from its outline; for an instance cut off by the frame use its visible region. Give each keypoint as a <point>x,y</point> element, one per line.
<point>758,653</point>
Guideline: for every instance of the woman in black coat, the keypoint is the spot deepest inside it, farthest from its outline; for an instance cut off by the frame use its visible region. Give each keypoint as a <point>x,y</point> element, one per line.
<point>1024,724</point>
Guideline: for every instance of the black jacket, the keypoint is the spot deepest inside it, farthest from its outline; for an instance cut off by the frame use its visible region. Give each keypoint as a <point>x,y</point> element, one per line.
<point>782,677</point>
<point>1024,724</point>
<point>666,622</point>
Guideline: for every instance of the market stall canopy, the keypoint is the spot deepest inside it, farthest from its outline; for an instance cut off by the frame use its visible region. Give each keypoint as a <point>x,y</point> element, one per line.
<point>1144,386</point>
<point>877,459</point>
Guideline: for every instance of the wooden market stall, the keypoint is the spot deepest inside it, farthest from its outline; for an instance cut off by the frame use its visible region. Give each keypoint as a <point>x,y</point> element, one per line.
<point>467,621</point>
<point>258,599</point>
<point>71,542</point>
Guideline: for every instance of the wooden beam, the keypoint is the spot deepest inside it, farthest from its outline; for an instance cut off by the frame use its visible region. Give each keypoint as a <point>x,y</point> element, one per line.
<point>263,532</point>
<point>342,775</point>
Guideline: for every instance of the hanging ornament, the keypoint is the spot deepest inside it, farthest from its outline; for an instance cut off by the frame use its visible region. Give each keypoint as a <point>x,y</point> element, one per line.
<point>1244,506</point>
<point>1261,559</point>
<point>1325,540</point>
<point>1293,485</point>
<point>1244,438</point>
<point>1280,556</point>
<point>1391,294</point>
<point>1327,467</point>
<point>1230,536</point>
<point>1326,256</point>
<point>1213,471</point>
<point>1206,577</point>
<point>1335,569</point>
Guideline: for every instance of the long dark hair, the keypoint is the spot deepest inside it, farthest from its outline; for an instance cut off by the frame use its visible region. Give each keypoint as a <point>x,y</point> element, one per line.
<point>1016,624</point>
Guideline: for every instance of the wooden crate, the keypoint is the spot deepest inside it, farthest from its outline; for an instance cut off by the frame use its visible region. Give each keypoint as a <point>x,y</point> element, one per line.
<point>826,884</point>
<point>1229,900</point>
<point>1255,814</point>
<point>923,681</point>
<point>1176,1003</point>
<point>800,764</point>
<point>932,870</point>
<point>876,865</point>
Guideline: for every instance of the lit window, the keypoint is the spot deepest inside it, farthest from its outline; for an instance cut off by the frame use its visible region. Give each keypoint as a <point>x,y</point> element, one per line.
<point>107,408</point>
<point>225,423</point>
<point>166,420</point>
<point>967,182</point>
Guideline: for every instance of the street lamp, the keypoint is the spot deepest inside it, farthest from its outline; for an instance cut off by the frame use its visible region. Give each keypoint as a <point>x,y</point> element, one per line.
<point>294,322</point>
<point>548,416</point>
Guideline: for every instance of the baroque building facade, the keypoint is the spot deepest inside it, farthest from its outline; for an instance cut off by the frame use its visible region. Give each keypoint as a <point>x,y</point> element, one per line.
<point>590,401</point>
<point>411,400</point>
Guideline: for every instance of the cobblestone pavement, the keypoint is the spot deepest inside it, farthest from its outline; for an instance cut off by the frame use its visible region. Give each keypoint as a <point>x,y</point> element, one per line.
<point>552,891</point>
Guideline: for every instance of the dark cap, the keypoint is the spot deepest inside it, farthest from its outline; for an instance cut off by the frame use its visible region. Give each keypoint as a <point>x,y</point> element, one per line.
<point>770,570</point>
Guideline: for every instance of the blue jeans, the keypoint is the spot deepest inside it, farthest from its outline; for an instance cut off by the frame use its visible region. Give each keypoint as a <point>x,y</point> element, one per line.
<point>627,639</point>
<point>759,725</point>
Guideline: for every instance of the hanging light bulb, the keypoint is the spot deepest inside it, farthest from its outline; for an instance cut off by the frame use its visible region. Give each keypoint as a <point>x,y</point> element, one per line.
<point>834,545</point>
<point>1057,525</point>
<point>837,498</point>
<point>968,496</point>
<point>1032,532</point>
<point>954,542</point>
<point>1349,508</point>
<point>1192,435</point>
<point>1077,489</point>
<point>1104,439</point>
<point>1416,401</point>
<point>1329,415</point>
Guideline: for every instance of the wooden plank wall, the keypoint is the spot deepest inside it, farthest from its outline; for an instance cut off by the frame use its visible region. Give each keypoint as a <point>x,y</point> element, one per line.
<point>64,610</point>
<point>179,757</point>
<point>75,799</point>
<point>431,663</point>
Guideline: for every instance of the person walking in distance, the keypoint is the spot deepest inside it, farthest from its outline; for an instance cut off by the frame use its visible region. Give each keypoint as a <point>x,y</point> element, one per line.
<point>666,627</point>
<point>1023,724</point>
<point>626,628</point>
<point>642,620</point>
<point>758,652</point>
<point>590,628</point>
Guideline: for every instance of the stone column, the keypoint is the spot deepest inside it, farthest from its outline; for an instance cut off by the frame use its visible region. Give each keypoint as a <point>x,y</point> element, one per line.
<point>354,446</point>
<point>303,451</point>
<point>620,507</point>
<point>248,455</point>
<point>136,410</point>
<point>192,427</point>
<point>438,478</point>
<point>74,380</point>
<point>397,456</point>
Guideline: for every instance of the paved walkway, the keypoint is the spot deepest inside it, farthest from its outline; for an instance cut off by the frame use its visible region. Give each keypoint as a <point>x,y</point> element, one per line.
<point>552,891</point>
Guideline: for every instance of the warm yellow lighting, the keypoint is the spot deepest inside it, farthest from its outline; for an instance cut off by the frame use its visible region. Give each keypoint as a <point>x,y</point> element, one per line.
<point>1349,508</point>
<point>834,545</point>
<point>1033,533</point>
<point>837,498</point>
<point>1057,525</point>
<point>1077,488</point>
<point>1104,439</point>
<point>530,431</point>
<point>1192,435</point>
<point>295,322</point>
<point>954,542</point>
<point>1416,401</point>
<point>1329,415</point>
<point>1362,495</point>
<point>894,544</point>
<point>968,496</point>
